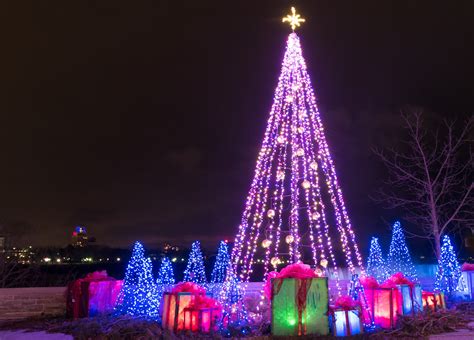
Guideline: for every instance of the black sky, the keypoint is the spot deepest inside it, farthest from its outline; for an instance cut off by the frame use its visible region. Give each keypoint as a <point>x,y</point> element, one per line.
<point>142,119</point>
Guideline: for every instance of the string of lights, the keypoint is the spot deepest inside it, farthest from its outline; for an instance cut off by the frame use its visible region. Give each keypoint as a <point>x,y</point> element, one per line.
<point>399,259</point>
<point>375,263</point>
<point>286,199</point>
<point>195,271</point>
<point>139,295</point>
<point>449,270</point>
<point>222,262</point>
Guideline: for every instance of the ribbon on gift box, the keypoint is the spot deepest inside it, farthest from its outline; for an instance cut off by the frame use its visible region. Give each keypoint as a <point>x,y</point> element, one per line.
<point>189,287</point>
<point>293,271</point>
<point>467,267</point>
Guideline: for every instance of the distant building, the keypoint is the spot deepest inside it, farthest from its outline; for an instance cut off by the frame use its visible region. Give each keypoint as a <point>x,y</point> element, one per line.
<point>79,237</point>
<point>168,248</point>
<point>21,255</point>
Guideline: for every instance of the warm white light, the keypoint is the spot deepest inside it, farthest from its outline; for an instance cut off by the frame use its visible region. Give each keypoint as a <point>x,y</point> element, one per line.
<point>289,239</point>
<point>266,243</point>
<point>306,184</point>
<point>314,165</point>
<point>271,213</point>
<point>300,152</point>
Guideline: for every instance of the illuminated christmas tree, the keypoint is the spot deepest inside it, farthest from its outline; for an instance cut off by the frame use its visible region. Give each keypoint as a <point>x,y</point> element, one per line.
<point>221,264</point>
<point>166,273</point>
<point>376,264</point>
<point>449,270</point>
<point>399,259</point>
<point>139,293</point>
<point>295,198</point>
<point>195,269</point>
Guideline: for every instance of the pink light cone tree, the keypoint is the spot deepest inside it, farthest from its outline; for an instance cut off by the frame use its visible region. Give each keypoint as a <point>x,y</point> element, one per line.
<point>295,199</point>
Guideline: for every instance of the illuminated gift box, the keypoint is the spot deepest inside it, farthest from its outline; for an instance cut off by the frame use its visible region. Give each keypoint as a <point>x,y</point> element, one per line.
<point>468,278</point>
<point>385,305</point>
<point>412,299</point>
<point>433,301</point>
<point>174,305</point>
<point>93,295</point>
<point>201,319</point>
<point>347,322</point>
<point>299,306</point>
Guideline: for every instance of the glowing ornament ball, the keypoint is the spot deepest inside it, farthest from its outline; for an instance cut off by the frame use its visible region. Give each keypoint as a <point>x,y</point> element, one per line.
<point>266,243</point>
<point>289,239</point>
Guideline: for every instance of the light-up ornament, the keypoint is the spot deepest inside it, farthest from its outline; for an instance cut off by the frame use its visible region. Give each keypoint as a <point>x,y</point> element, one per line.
<point>295,87</point>
<point>315,216</point>
<point>314,165</point>
<point>271,213</point>
<point>293,19</point>
<point>281,139</point>
<point>289,99</point>
<point>318,272</point>
<point>324,263</point>
<point>300,152</point>
<point>289,239</point>
<point>300,130</point>
<point>266,243</point>
<point>275,261</point>
<point>306,184</point>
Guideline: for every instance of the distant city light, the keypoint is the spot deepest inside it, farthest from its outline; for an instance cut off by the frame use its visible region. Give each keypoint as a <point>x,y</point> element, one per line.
<point>118,259</point>
<point>47,259</point>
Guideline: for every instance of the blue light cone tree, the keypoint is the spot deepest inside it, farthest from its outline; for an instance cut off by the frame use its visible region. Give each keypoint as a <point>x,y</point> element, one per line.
<point>222,262</point>
<point>375,264</point>
<point>399,259</point>
<point>194,271</point>
<point>165,273</point>
<point>139,295</point>
<point>449,270</point>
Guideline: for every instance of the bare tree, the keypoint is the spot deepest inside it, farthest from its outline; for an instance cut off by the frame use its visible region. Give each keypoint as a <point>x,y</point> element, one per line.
<point>430,177</point>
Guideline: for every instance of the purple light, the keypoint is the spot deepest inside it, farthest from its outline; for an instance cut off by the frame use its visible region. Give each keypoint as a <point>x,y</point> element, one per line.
<point>293,176</point>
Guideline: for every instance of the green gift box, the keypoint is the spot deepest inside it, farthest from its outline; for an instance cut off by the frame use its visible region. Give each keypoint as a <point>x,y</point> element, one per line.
<point>300,306</point>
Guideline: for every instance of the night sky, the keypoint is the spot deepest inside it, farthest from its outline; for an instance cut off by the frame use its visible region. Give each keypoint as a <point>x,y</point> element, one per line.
<point>142,120</point>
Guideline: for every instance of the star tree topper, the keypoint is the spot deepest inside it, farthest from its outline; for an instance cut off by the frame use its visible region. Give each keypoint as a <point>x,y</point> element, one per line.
<point>293,19</point>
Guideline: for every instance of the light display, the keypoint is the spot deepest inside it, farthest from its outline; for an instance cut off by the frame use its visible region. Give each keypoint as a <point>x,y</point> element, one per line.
<point>194,271</point>
<point>399,259</point>
<point>165,279</point>
<point>295,195</point>
<point>449,270</point>
<point>139,294</point>
<point>222,262</point>
<point>166,273</point>
<point>376,264</point>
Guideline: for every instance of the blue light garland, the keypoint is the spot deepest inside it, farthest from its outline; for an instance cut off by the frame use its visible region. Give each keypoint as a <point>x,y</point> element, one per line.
<point>222,262</point>
<point>195,268</point>
<point>139,294</point>
<point>399,259</point>
<point>449,270</point>
<point>375,264</point>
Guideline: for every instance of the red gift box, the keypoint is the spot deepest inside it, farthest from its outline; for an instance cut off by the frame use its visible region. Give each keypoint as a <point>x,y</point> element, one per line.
<point>433,301</point>
<point>173,310</point>
<point>92,295</point>
<point>182,296</point>
<point>201,319</point>
<point>385,305</point>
